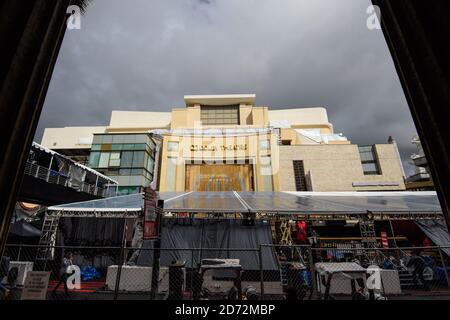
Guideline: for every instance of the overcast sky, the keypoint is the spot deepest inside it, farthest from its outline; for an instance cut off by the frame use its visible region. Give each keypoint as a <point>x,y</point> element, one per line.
<point>147,54</point>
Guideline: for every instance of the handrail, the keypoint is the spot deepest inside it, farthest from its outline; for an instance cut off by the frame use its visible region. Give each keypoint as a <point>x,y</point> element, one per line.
<point>54,177</point>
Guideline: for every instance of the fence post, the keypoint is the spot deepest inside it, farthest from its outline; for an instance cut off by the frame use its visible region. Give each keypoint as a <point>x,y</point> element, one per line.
<point>157,250</point>
<point>121,260</point>
<point>261,272</point>
<point>313,272</point>
<point>47,250</point>
<point>445,267</point>
<point>192,273</point>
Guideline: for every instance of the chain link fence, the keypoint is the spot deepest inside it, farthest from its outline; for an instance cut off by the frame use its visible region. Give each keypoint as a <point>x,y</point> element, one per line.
<point>269,272</point>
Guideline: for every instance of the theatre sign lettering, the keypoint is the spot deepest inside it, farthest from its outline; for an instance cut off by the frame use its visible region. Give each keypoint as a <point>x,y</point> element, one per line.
<point>206,147</point>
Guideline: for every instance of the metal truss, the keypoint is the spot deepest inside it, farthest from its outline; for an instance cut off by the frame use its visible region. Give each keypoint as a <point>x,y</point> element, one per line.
<point>95,214</point>
<point>313,217</point>
<point>376,216</point>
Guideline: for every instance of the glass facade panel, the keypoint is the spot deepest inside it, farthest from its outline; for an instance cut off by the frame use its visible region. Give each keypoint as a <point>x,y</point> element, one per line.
<point>104,160</point>
<point>98,139</point>
<point>128,146</point>
<point>370,168</point>
<point>107,139</point>
<point>118,138</point>
<point>142,139</point>
<point>117,147</point>
<point>127,138</point>
<point>369,160</point>
<point>130,156</point>
<point>106,147</point>
<point>127,159</point>
<point>122,191</point>
<point>137,172</point>
<point>114,159</point>
<point>220,115</point>
<point>138,159</point>
<point>140,146</point>
<point>96,147</point>
<point>150,164</point>
<point>94,159</point>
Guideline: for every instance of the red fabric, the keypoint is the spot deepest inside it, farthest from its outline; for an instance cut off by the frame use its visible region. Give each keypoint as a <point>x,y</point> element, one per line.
<point>301,231</point>
<point>410,230</point>
<point>149,230</point>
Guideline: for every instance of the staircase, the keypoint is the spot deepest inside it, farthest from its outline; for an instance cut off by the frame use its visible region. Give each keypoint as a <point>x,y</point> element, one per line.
<point>46,250</point>
<point>406,279</point>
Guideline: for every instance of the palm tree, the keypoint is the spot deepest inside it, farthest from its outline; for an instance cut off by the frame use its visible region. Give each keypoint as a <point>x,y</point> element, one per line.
<point>83,4</point>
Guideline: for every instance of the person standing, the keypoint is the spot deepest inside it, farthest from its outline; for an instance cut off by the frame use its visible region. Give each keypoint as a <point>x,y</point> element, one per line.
<point>64,274</point>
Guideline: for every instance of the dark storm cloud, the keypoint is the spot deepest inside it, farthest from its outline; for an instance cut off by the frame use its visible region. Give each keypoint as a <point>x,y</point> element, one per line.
<point>145,55</point>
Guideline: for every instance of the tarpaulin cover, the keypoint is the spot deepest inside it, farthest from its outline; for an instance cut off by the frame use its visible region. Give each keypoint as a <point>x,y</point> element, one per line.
<point>213,234</point>
<point>92,232</point>
<point>437,231</point>
<point>21,228</point>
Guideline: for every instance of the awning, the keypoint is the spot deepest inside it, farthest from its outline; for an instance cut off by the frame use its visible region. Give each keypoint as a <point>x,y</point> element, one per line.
<point>49,151</point>
<point>315,203</point>
<point>22,228</point>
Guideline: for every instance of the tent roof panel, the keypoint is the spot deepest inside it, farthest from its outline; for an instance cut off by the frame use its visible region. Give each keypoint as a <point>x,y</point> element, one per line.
<point>269,202</point>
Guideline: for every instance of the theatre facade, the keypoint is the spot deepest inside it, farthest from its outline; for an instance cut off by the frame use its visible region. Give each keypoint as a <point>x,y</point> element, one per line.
<point>228,143</point>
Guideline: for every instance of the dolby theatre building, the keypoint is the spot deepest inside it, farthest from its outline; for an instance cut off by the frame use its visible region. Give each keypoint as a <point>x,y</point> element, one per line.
<point>228,143</point>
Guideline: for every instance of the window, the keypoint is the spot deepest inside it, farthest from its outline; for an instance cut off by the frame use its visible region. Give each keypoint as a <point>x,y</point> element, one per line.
<point>138,159</point>
<point>299,175</point>
<point>220,115</point>
<point>114,159</point>
<point>172,146</point>
<point>96,147</point>
<point>150,164</point>
<point>104,160</point>
<point>369,160</point>
<point>264,145</point>
<point>128,190</point>
<point>127,159</point>
<point>94,159</point>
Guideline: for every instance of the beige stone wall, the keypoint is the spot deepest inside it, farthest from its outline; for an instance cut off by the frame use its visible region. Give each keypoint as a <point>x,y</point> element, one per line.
<point>70,137</point>
<point>302,117</point>
<point>338,167</point>
<point>139,120</point>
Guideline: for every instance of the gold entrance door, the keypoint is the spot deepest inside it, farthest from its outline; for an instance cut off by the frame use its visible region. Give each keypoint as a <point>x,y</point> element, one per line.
<point>219,177</point>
